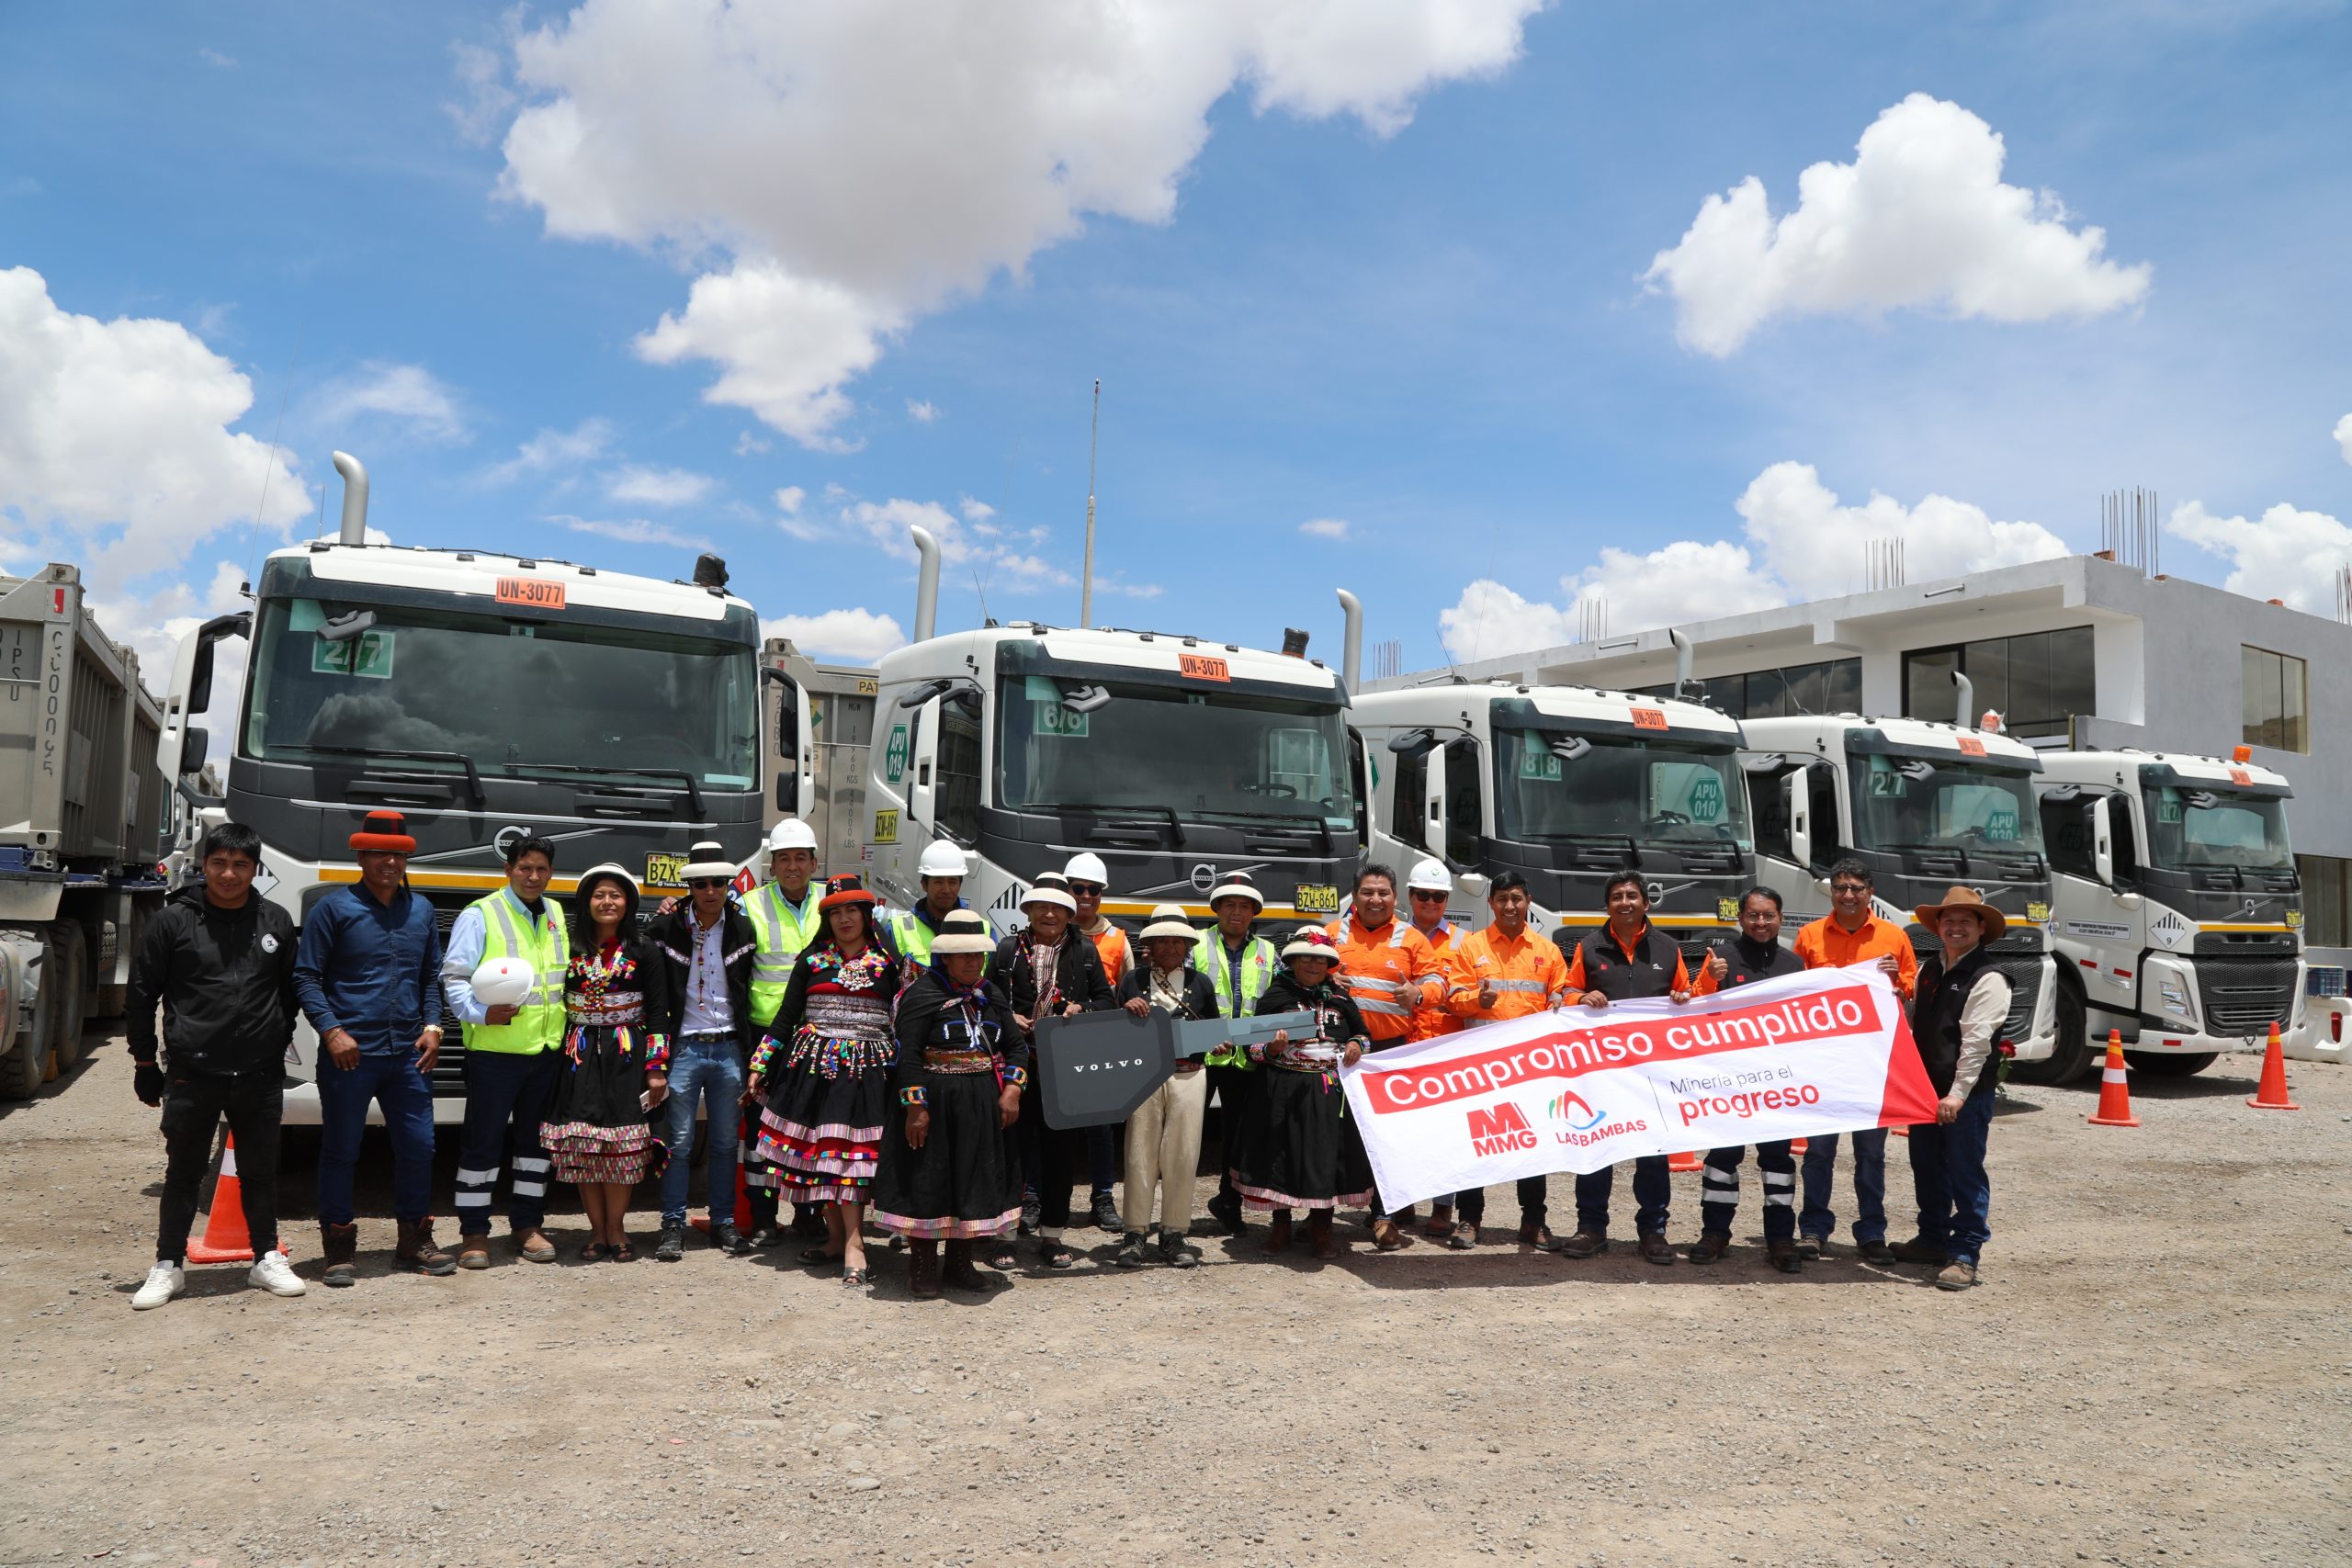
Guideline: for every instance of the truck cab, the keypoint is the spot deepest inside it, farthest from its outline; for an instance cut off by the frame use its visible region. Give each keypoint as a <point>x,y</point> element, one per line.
<point>2178,913</point>
<point>1566,786</point>
<point>1924,806</point>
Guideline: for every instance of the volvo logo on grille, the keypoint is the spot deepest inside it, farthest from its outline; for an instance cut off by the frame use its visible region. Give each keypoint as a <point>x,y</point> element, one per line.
<point>508,836</point>
<point>1204,877</point>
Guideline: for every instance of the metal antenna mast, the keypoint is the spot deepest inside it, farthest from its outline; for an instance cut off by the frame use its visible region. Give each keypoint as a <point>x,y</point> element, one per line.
<point>1085,583</point>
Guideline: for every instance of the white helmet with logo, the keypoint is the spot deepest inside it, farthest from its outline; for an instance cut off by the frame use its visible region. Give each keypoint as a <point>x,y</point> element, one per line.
<point>792,834</point>
<point>503,982</point>
<point>1086,866</point>
<point>941,858</point>
<point>1429,875</point>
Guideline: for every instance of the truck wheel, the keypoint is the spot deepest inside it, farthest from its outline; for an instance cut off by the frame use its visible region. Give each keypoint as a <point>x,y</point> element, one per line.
<point>69,971</point>
<point>21,1070</point>
<point>2170,1064</point>
<point>2066,1059</point>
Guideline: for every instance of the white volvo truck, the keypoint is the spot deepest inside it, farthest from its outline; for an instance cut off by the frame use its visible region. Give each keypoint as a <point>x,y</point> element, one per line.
<point>1925,805</point>
<point>1179,760</point>
<point>485,696</point>
<point>2178,914</point>
<point>1568,785</point>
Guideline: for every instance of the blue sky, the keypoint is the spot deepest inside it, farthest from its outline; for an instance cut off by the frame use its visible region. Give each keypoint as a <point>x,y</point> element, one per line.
<point>1373,268</point>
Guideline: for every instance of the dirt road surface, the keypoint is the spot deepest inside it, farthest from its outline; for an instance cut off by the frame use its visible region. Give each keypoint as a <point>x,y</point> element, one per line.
<point>2156,1369</point>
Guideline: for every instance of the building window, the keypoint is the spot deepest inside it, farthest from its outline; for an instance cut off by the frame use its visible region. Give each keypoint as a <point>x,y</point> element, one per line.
<point>2273,691</point>
<point>1835,686</point>
<point>2037,683</point>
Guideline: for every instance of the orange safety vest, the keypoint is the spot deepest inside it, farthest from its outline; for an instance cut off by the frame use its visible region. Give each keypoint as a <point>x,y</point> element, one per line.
<point>1529,974</point>
<point>1431,1018</point>
<point>1390,972</point>
<point>1111,946</point>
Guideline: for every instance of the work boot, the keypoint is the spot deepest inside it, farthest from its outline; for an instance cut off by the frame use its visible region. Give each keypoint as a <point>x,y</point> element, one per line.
<point>474,1251</point>
<point>1956,1277</point>
<point>1463,1236</point>
<point>670,1246</point>
<point>1174,1253</point>
<point>339,1246</point>
<point>725,1237</point>
<point>1783,1254</point>
<point>959,1274</point>
<point>1584,1244</point>
<point>763,1236</point>
<point>1539,1237</point>
<point>1278,1232</point>
<point>1388,1236</point>
<point>922,1267</point>
<point>1439,1226</point>
<point>1226,1210</point>
<point>1710,1247</point>
<point>1107,1213</point>
<point>1875,1252</point>
<point>416,1253</point>
<point>1917,1250</point>
<point>1319,1231</point>
<point>1654,1249</point>
<point>1130,1255</point>
<point>1810,1247</point>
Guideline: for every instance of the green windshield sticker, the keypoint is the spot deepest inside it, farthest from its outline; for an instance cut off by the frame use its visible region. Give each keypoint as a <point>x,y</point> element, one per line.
<point>2001,827</point>
<point>894,755</point>
<point>2168,806</point>
<point>1706,799</point>
<point>1052,718</point>
<point>1534,763</point>
<point>369,654</point>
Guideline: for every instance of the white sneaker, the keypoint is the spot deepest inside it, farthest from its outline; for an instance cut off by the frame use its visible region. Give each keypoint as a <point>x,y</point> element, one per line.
<point>274,1274</point>
<point>163,1281</point>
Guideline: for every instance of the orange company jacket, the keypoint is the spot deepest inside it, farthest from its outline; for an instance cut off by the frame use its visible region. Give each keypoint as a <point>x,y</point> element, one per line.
<point>1528,973</point>
<point>1390,972</point>
<point>1826,944</point>
<point>1431,1019</point>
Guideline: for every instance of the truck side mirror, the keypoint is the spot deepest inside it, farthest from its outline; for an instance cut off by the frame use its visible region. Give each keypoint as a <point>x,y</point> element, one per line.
<point>2103,842</point>
<point>1793,799</point>
<point>192,750</point>
<point>1473,885</point>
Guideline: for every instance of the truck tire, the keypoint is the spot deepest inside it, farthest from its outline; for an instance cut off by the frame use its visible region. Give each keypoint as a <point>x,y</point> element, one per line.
<point>2170,1064</point>
<point>2071,1054</point>
<point>68,968</point>
<point>22,1069</point>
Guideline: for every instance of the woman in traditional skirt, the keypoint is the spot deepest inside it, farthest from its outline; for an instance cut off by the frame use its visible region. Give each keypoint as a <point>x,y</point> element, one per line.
<point>615,1069</point>
<point>1299,1149</point>
<point>823,1073</point>
<point>951,1161</point>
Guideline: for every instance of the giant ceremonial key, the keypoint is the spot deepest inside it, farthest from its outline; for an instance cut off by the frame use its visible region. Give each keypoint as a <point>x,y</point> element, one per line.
<point>1094,1069</point>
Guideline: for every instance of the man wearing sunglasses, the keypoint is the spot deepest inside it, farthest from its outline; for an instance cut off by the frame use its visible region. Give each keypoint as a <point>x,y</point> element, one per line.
<point>710,948</point>
<point>1428,886</point>
<point>1088,880</point>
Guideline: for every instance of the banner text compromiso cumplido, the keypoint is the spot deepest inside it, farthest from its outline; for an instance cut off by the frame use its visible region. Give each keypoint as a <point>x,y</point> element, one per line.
<point>1570,1052</point>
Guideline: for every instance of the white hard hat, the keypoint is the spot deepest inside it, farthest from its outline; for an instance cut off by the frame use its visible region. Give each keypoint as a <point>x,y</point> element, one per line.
<point>503,982</point>
<point>1086,866</point>
<point>1429,876</point>
<point>941,858</point>
<point>792,834</point>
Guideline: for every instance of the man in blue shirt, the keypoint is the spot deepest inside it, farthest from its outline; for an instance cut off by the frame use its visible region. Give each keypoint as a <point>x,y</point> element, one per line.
<point>368,976</point>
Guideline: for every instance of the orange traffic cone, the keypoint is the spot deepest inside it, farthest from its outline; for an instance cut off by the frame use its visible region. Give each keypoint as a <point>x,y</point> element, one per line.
<point>1687,1160</point>
<point>1797,1147</point>
<point>2272,1094</point>
<point>2114,1092</point>
<point>224,1239</point>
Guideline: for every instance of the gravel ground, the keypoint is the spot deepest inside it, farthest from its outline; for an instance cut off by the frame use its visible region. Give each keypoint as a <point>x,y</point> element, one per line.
<point>2155,1369</point>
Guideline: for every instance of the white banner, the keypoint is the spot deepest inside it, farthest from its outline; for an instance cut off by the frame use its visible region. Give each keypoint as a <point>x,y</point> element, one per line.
<point>1822,1052</point>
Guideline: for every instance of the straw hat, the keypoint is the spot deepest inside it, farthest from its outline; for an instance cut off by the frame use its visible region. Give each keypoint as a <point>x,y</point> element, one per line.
<point>1168,919</point>
<point>1312,941</point>
<point>962,932</point>
<point>707,858</point>
<point>1051,887</point>
<point>1237,885</point>
<point>1992,919</point>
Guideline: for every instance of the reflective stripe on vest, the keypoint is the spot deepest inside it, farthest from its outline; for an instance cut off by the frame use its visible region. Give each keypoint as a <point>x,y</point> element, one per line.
<point>1517,985</point>
<point>1368,1004</point>
<point>508,932</point>
<point>1258,960</point>
<point>779,934</point>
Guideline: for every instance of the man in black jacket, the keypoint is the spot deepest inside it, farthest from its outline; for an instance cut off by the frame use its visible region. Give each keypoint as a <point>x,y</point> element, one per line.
<point>1049,971</point>
<point>220,962</point>
<point>1755,955</point>
<point>709,946</point>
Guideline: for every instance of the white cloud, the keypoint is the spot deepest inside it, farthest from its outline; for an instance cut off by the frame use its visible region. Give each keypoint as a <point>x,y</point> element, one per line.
<point>748,444</point>
<point>1919,219</point>
<point>115,446</point>
<point>1325,528</point>
<point>921,413</point>
<point>409,395</point>
<point>639,485</point>
<point>633,531</point>
<point>1801,542</point>
<point>486,97</point>
<point>553,451</point>
<point>974,511</point>
<point>2343,437</point>
<point>152,625</point>
<point>1130,590</point>
<point>213,57</point>
<point>859,636</point>
<point>789,498</point>
<point>2289,554</point>
<point>908,154</point>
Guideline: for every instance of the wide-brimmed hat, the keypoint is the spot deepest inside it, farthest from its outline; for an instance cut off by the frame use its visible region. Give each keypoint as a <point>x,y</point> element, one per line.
<point>962,932</point>
<point>1051,887</point>
<point>1168,920</point>
<point>1967,898</point>
<point>1237,885</point>
<point>845,889</point>
<point>607,872</point>
<point>707,858</point>
<point>386,833</point>
<point>1312,941</point>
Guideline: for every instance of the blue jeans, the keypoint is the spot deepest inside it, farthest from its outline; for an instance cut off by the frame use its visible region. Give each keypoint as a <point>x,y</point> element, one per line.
<point>1652,1186</point>
<point>503,1088</point>
<point>391,1079</point>
<point>710,1071</point>
<point>1870,1185</point>
<point>1947,1178</point>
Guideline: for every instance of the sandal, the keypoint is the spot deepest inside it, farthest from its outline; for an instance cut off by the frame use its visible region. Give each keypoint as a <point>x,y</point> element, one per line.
<point>853,1279</point>
<point>1004,1258</point>
<point>622,1252</point>
<point>1054,1255</point>
<point>593,1252</point>
<point>819,1255</point>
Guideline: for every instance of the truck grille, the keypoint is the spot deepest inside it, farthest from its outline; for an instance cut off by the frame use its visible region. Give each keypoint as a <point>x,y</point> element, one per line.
<point>2024,972</point>
<point>2246,996</point>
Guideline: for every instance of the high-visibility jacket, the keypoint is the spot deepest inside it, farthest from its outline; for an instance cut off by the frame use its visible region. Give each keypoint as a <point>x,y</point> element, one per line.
<point>1111,946</point>
<point>1431,1019</point>
<point>509,932</point>
<point>910,936</point>
<point>781,931</point>
<point>1389,973</point>
<point>1258,962</point>
<point>1529,974</point>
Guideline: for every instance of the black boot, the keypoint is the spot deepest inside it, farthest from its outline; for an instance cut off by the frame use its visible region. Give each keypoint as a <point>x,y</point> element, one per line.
<point>340,1244</point>
<point>959,1274</point>
<point>922,1267</point>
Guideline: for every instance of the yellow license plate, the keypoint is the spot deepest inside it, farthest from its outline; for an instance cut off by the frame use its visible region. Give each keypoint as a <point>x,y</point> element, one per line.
<point>1316,898</point>
<point>886,827</point>
<point>665,871</point>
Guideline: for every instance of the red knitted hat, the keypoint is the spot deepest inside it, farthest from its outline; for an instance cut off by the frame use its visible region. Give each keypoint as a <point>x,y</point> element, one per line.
<point>385,830</point>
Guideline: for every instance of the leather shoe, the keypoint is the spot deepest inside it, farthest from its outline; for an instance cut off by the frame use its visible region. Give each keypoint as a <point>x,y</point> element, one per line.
<point>727,1239</point>
<point>1916,1251</point>
<point>1956,1277</point>
<point>672,1245</point>
<point>1584,1244</point>
<point>1784,1256</point>
<point>1541,1238</point>
<point>1654,1249</point>
<point>1710,1247</point>
<point>1875,1252</point>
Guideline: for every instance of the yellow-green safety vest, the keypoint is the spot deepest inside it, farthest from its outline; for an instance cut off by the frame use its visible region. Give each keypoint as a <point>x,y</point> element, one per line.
<point>910,936</point>
<point>1258,960</point>
<point>508,932</point>
<point>780,934</point>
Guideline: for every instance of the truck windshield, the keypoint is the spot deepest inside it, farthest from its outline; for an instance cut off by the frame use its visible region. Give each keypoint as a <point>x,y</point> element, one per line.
<point>1648,791</point>
<point>1154,748</point>
<point>1913,803</point>
<point>510,695</point>
<point>2190,829</point>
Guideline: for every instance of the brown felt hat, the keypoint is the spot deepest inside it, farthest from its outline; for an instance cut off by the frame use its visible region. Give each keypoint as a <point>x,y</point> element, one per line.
<point>1968,898</point>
